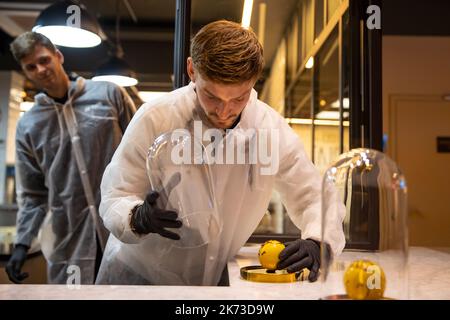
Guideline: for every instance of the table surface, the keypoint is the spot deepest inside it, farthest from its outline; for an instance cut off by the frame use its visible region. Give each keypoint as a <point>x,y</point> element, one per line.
<point>429,270</point>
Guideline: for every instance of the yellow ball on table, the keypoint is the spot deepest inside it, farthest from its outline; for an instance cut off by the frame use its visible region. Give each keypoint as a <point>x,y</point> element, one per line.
<point>269,252</point>
<point>364,280</point>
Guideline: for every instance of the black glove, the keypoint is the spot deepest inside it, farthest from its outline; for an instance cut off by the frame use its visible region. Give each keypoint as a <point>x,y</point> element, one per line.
<point>148,218</point>
<point>15,264</point>
<point>300,254</point>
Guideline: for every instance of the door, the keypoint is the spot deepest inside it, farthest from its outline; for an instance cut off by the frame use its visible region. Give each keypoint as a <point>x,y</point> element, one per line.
<point>416,121</point>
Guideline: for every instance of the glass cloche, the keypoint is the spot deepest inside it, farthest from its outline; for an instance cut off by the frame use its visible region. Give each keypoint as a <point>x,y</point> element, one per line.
<point>374,262</point>
<point>194,258</point>
<point>172,176</point>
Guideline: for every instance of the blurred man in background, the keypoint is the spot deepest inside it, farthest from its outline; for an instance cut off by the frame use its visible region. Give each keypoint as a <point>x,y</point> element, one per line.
<point>63,145</point>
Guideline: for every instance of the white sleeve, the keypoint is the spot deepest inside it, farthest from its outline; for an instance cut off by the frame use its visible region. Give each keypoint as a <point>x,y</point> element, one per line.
<point>299,184</point>
<point>125,181</point>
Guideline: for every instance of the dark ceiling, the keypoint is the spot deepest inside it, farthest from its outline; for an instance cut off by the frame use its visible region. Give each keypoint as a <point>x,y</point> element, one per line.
<point>146,32</point>
<point>416,17</point>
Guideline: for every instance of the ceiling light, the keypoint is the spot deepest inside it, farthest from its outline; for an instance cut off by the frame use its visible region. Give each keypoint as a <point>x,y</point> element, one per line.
<point>316,122</point>
<point>148,96</point>
<point>119,80</point>
<point>68,24</point>
<point>331,115</point>
<point>262,23</point>
<point>310,63</point>
<point>247,13</point>
<point>116,70</point>
<point>345,103</point>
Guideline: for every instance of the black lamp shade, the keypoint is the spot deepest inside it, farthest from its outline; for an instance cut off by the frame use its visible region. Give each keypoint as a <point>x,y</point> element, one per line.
<point>69,24</point>
<point>116,70</point>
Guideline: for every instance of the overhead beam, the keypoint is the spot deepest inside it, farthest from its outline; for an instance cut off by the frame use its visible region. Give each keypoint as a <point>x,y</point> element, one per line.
<point>10,26</point>
<point>27,6</point>
<point>130,11</point>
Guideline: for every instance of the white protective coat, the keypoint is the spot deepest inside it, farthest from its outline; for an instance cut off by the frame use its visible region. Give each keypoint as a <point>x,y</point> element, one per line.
<point>242,192</point>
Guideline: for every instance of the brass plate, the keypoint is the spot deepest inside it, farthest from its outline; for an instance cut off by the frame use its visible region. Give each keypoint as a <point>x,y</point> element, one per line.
<point>260,274</point>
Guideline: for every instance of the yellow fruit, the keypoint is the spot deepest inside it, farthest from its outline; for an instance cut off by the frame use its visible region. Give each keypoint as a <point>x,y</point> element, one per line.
<point>269,252</point>
<point>364,280</point>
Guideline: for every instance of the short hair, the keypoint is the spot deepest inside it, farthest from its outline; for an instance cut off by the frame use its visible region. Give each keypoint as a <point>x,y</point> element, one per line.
<point>25,44</point>
<point>225,52</point>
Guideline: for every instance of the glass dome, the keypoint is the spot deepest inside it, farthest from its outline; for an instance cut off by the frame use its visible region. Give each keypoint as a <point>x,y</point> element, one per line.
<point>374,262</point>
<point>172,175</point>
<point>186,187</point>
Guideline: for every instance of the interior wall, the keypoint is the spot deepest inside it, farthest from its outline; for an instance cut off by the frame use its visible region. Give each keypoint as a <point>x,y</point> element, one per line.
<point>416,75</point>
<point>304,131</point>
<point>414,65</point>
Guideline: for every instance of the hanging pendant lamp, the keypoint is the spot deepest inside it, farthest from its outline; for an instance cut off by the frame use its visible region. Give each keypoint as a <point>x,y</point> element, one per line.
<point>116,69</point>
<point>67,23</point>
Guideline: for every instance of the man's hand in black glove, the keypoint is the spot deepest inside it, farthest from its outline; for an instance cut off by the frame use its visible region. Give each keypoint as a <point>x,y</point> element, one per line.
<point>300,254</point>
<point>15,264</point>
<point>148,217</point>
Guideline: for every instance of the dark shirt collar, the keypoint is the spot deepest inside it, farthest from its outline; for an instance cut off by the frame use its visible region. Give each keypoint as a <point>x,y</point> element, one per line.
<point>60,100</point>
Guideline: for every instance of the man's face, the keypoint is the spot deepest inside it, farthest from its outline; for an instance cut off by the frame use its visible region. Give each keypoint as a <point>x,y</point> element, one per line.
<point>222,103</point>
<point>44,67</point>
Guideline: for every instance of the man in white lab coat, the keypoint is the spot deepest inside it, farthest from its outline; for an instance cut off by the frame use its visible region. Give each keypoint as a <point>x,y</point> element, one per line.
<point>221,107</point>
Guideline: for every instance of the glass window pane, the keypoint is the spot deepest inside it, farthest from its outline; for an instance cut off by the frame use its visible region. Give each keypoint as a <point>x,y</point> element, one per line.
<point>292,49</point>
<point>299,101</point>
<point>298,109</point>
<point>309,25</point>
<point>332,6</point>
<point>300,97</point>
<point>326,103</point>
<point>345,81</point>
<point>276,219</point>
<point>301,123</point>
<point>301,38</point>
<point>318,17</point>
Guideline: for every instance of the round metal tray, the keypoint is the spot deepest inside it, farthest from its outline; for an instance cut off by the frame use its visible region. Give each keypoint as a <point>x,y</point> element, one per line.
<point>260,274</point>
